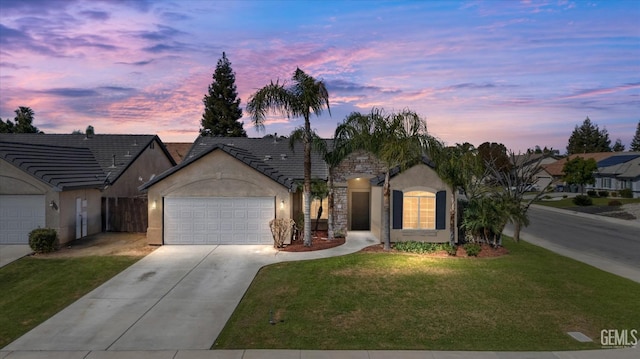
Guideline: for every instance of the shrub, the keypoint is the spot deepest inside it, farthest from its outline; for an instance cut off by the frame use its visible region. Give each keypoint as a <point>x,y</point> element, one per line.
<point>591,193</point>
<point>565,196</point>
<point>614,194</point>
<point>603,193</point>
<point>626,193</point>
<point>472,249</point>
<point>614,202</point>
<point>43,240</point>
<point>421,247</point>
<point>452,250</point>
<point>582,200</point>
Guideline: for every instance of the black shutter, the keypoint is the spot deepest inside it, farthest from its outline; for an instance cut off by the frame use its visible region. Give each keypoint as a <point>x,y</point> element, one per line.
<point>441,210</point>
<point>397,210</point>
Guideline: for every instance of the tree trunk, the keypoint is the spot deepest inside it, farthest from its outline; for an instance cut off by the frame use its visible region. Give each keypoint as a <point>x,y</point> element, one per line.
<point>516,231</point>
<point>330,233</point>
<point>452,218</point>
<point>307,182</point>
<point>386,213</point>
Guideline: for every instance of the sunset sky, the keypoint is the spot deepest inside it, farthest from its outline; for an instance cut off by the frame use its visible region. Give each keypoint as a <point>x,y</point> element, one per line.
<point>521,73</point>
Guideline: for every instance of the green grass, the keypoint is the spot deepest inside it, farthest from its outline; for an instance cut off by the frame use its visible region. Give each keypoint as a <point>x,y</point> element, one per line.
<point>34,289</point>
<point>567,202</point>
<point>526,300</point>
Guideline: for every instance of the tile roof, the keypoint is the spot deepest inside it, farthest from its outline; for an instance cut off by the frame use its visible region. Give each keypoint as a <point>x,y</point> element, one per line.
<point>63,168</point>
<point>274,152</point>
<point>114,153</point>
<point>259,164</point>
<point>178,150</point>
<point>627,169</point>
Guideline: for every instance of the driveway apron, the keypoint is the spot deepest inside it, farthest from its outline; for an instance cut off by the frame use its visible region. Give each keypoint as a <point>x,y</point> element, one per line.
<point>176,298</point>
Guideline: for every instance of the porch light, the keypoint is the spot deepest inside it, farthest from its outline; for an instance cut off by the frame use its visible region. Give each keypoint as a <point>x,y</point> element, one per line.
<point>282,204</point>
<point>153,205</point>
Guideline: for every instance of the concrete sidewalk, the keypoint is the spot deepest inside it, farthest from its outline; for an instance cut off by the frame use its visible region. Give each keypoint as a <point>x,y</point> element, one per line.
<point>628,353</point>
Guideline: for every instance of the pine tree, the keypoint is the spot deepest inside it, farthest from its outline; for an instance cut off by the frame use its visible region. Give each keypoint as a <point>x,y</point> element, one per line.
<point>618,146</point>
<point>635,143</point>
<point>588,138</point>
<point>222,105</point>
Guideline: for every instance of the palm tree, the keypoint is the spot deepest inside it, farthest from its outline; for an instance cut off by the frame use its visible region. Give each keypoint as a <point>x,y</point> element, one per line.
<point>305,96</point>
<point>399,140</point>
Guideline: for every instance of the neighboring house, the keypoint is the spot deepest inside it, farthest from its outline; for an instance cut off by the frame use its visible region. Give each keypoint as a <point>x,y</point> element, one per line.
<point>48,186</point>
<point>542,179</point>
<point>555,169</point>
<point>126,162</point>
<point>178,150</point>
<point>228,189</point>
<point>618,172</point>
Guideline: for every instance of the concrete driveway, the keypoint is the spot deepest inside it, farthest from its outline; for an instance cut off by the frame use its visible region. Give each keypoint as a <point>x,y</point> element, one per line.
<point>13,252</point>
<point>176,298</point>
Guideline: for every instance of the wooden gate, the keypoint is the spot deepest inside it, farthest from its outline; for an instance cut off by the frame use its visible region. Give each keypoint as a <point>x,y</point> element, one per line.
<point>125,214</point>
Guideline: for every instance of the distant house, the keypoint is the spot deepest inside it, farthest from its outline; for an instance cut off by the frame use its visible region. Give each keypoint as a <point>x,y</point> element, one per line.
<point>618,172</point>
<point>178,150</point>
<point>78,184</point>
<point>555,169</point>
<point>226,191</point>
<point>542,179</point>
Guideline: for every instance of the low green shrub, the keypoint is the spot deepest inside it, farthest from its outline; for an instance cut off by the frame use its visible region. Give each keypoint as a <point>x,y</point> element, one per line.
<point>614,194</point>
<point>43,240</point>
<point>546,197</point>
<point>592,193</point>
<point>626,193</point>
<point>422,247</point>
<point>614,202</point>
<point>603,193</point>
<point>565,196</point>
<point>472,249</point>
<point>582,200</point>
<point>452,250</point>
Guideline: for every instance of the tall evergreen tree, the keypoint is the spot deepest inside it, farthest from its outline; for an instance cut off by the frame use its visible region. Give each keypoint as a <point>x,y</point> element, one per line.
<point>635,143</point>
<point>222,105</point>
<point>588,138</point>
<point>618,146</point>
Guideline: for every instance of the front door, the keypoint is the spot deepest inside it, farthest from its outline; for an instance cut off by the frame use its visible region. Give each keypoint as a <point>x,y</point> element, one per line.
<point>360,211</point>
<point>81,218</point>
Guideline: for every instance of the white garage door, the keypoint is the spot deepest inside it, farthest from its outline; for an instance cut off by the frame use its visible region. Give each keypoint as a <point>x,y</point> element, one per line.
<point>218,220</point>
<point>18,216</point>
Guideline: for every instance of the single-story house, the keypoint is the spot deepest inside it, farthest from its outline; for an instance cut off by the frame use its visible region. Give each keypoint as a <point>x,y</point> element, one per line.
<point>124,163</point>
<point>226,190</point>
<point>542,179</point>
<point>555,169</point>
<point>618,172</point>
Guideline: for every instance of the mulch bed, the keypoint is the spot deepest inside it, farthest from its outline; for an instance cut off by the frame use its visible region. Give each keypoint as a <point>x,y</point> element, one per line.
<point>486,252</point>
<point>319,241</point>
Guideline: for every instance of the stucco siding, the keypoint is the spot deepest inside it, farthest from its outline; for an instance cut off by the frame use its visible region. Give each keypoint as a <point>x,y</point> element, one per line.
<point>421,177</point>
<point>152,161</point>
<point>217,174</point>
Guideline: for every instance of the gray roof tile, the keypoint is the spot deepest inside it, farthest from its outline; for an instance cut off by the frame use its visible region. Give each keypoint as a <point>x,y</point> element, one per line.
<point>63,168</point>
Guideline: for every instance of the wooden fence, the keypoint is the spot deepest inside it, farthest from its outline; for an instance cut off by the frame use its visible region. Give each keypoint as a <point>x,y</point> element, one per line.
<point>124,214</point>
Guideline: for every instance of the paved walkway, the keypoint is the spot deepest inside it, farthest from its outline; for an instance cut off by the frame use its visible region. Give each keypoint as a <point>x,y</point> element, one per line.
<point>152,310</point>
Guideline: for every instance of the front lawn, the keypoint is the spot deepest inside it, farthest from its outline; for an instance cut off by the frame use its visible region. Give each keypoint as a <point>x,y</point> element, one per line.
<point>526,300</point>
<point>33,289</point>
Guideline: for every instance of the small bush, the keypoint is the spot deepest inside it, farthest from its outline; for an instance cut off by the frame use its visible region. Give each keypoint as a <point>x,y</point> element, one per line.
<point>472,249</point>
<point>614,202</point>
<point>582,200</point>
<point>43,240</point>
<point>421,247</point>
<point>603,194</point>
<point>547,197</point>
<point>626,193</point>
<point>592,193</point>
<point>565,196</point>
<point>614,194</point>
<point>452,250</point>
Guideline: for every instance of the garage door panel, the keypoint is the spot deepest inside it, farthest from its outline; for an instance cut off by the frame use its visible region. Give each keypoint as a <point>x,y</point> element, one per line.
<point>19,215</point>
<point>216,220</point>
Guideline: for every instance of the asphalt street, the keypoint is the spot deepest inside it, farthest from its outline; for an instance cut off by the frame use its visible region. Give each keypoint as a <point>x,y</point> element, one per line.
<point>597,237</point>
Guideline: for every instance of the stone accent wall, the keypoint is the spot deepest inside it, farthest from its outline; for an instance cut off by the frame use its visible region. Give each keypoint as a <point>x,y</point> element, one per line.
<point>357,164</point>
